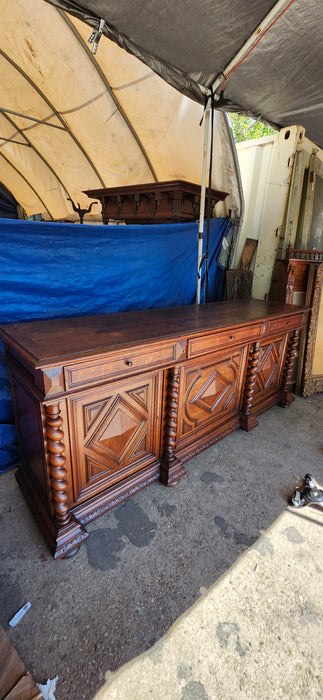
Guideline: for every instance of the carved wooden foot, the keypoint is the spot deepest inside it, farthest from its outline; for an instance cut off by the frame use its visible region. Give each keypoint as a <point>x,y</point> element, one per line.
<point>171,472</point>
<point>248,421</point>
<point>286,398</point>
<point>62,541</point>
<point>69,539</point>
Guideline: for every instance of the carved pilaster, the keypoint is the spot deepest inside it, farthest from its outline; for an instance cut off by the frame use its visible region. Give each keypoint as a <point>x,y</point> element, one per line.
<point>248,420</point>
<point>171,468</point>
<point>69,533</point>
<point>285,395</point>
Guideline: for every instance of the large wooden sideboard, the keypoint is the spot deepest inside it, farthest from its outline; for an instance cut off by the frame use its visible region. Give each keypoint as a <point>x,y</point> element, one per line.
<point>107,404</point>
<point>153,202</point>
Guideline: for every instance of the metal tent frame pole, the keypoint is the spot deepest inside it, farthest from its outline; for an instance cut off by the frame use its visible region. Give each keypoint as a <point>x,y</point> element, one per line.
<point>202,201</point>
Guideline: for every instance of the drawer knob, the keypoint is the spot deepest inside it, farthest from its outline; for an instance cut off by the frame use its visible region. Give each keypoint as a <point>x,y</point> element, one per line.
<point>129,363</point>
<point>231,337</point>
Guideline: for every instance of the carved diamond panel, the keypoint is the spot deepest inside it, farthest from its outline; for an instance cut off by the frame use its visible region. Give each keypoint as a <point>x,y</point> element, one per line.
<point>115,433</point>
<point>210,392</point>
<point>213,392</point>
<point>119,430</point>
<point>269,365</point>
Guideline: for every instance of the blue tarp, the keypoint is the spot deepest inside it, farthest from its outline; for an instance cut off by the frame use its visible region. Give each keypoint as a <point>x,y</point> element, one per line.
<point>53,270</point>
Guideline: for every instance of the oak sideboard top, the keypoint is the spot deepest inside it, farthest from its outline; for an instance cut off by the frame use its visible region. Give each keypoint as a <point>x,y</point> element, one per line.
<point>68,339</point>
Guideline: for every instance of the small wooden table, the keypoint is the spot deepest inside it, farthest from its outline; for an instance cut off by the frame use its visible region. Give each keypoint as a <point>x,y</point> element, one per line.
<point>107,404</point>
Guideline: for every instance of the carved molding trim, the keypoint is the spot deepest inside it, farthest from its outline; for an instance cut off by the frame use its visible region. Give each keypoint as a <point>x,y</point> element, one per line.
<point>116,500</point>
<point>71,547</point>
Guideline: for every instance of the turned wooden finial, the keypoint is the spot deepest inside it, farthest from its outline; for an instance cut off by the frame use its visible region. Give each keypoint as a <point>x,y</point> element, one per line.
<point>289,251</point>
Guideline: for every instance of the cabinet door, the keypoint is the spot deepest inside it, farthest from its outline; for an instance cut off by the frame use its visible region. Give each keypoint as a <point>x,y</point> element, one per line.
<point>115,432</point>
<point>269,372</point>
<point>210,395</point>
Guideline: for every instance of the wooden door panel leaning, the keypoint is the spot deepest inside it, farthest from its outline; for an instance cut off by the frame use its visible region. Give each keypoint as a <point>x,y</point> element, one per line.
<point>107,404</point>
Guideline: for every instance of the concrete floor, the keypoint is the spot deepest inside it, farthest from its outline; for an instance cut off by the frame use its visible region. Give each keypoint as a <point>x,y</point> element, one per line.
<point>256,633</point>
<point>147,561</point>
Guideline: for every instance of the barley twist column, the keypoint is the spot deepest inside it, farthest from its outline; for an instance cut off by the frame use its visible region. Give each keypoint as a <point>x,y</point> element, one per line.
<point>248,419</point>
<point>171,413</point>
<point>285,395</point>
<point>171,467</point>
<point>57,469</point>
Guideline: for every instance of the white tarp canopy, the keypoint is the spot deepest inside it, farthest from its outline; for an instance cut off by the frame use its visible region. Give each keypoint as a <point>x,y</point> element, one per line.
<point>269,54</point>
<point>109,119</point>
<point>71,121</point>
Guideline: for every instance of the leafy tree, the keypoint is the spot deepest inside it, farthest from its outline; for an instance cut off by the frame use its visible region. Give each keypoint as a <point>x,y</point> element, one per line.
<point>246,128</point>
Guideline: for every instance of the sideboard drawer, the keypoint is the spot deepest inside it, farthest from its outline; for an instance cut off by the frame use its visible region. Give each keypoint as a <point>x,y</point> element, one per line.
<point>205,344</point>
<point>88,373</point>
<point>285,324</point>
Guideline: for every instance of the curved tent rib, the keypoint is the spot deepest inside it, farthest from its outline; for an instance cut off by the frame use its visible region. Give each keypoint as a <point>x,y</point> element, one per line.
<point>29,144</point>
<point>27,183</point>
<point>25,158</point>
<point>32,119</point>
<point>54,111</point>
<point>110,91</point>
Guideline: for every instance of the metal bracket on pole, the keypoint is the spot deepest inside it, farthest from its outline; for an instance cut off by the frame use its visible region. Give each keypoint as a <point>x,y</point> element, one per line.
<point>96,36</point>
<point>202,200</point>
